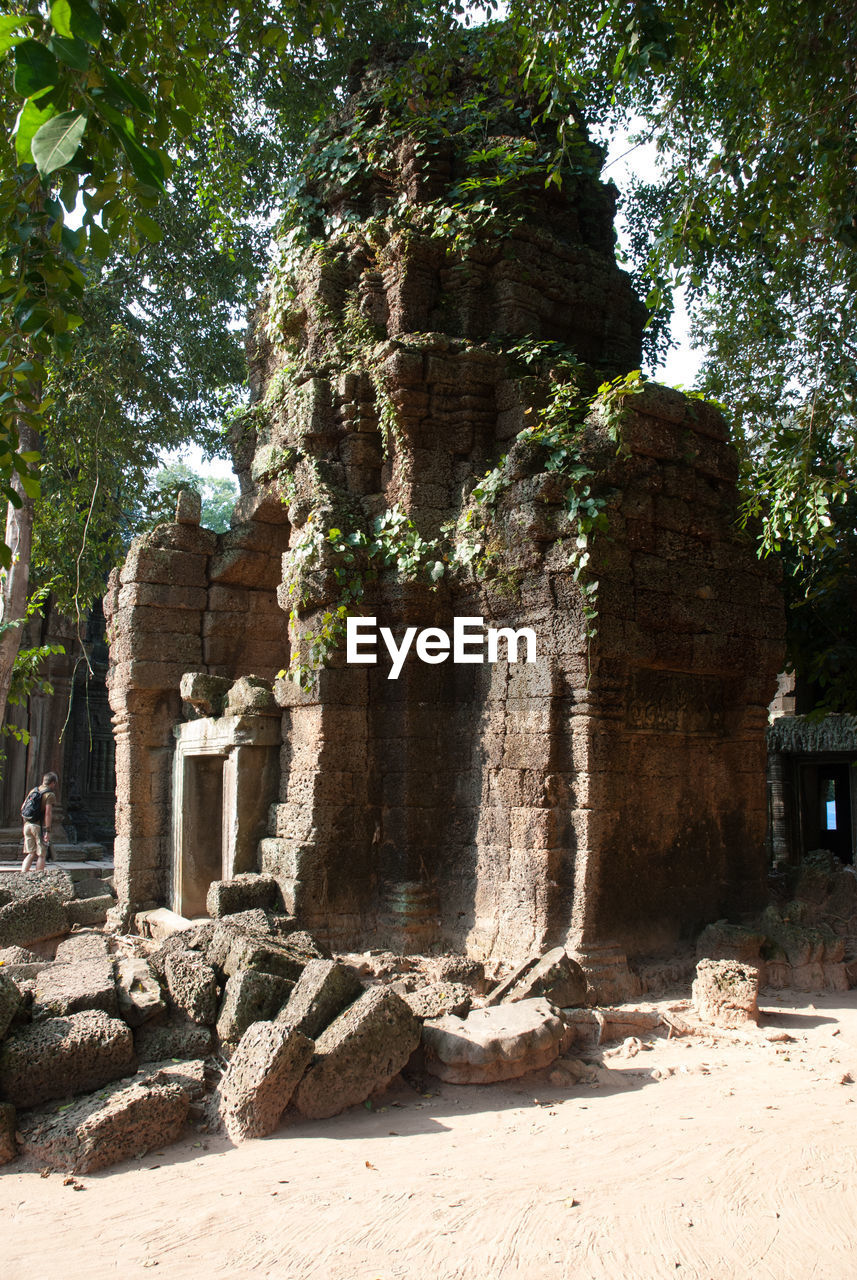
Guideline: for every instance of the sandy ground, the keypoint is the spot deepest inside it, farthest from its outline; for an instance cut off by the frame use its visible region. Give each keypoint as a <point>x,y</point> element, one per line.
<point>700,1157</point>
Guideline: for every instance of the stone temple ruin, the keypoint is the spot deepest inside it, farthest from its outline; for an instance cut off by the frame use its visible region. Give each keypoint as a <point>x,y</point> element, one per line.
<point>427,443</point>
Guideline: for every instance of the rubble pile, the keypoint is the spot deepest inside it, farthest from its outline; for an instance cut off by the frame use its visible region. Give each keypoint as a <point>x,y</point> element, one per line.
<point>112,1047</point>
<point>118,1043</point>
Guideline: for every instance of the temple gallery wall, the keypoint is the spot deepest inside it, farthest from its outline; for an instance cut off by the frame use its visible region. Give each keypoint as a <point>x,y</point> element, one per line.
<point>427,442</point>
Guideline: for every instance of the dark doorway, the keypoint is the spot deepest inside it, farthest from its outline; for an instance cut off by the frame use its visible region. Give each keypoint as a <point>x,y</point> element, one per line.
<point>826,804</point>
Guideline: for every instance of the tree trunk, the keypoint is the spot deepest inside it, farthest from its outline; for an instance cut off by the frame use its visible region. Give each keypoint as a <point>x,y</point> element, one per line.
<point>16,581</point>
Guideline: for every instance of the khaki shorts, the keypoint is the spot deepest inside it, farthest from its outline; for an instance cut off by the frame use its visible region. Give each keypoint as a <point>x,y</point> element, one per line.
<point>33,839</point>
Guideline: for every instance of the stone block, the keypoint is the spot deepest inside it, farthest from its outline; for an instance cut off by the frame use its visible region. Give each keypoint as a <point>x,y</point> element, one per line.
<point>242,949</point>
<point>358,1053</point>
<point>205,693</point>
<point>174,1038</point>
<point>554,975</point>
<point>499,1043</point>
<point>159,565</point>
<point>323,990</point>
<point>261,1078</point>
<point>18,955</point>
<point>189,1076</point>
<point>16,887</point>
<point>138,991</point>
<point>124,1120</point>
<point>73,987</point>
<point>725,941</point>
<point>251,696</point>
<point>92,887</point>
<point>193,937</point>
<point>43,915</point>
<point>188,507</point>
<point>10,1002</point>
<point>438,999</point>
<point>244,892</point>
<point>192,985</point>
<point>89,944</point>
<point>726,993</point>
<point>8,1128</point>
<point>84,911</point>
<point>63,1056</point>
<point>250,996</point>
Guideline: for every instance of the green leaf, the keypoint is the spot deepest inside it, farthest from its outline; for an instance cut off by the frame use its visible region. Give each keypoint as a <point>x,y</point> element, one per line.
<point>36,69</point>
<point>73,53</point>
<point>57,142</point>
<point>30,119</point>
<point>186,97</point>
<point>85,22</point>
<point>31,486</point>
<point>148,227</point>
<point>145,164</point>
<point>14,23</point>
<point>9,42</point>
<point>99,242</point>
<point>61,18</point>
<point>126,91</point>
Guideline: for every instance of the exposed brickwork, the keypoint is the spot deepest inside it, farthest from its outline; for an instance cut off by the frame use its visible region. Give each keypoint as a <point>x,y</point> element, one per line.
<point>611,792</point>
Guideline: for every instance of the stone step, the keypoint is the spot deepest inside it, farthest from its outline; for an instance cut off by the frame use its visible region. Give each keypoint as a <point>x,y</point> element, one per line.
<point>13,851</point>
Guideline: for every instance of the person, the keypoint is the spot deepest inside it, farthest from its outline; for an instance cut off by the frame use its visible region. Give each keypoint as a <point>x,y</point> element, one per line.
<point>37,812</point>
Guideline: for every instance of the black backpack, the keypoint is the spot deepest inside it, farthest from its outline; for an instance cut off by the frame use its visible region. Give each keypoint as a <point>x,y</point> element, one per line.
<point>31,809</point>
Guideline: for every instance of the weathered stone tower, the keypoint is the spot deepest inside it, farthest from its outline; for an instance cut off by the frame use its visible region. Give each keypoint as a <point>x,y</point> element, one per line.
<point>426,443</point>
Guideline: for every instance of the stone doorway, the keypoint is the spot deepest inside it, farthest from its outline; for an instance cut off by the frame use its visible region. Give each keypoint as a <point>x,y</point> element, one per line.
<point>225,776</point>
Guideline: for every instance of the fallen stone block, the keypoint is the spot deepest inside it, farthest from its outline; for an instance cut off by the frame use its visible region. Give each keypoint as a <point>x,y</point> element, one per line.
<point>438,999</point>
<point>267,954</point>
<point>138,991</point>
<point>192,985</point>
<point>457,969</point>
<point>726,993</point>
<point>92,887</point>
<point>121,1121</point>
<point>497,1043</point>
<point>10,1002</point>
<point>555,976</point>
<point>62,989</point>
<point>64,1056</point>
<point>18,955</point>
<point>25,973</point>
<point>250,997</point>
<point>160,923</point>
<point>197,937</point>
<point>42,915</point>
<point>358,1053</point>
<point>189,1076</point>
<point>323,990</point>
<point>241,893</point>
<point>17,886</point>
<point>8,1128</point>
<point>725,941</point>
<point>261,1078</point>
<point>84,911</point>
<point>86,945</point>
<point>175,1038</point>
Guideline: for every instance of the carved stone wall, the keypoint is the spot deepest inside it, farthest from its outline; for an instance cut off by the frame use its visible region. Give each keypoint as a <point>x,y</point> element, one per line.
<point>609,795</point>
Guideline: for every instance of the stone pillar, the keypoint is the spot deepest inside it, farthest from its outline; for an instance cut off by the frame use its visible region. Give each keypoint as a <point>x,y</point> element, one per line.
<point>154,610</point>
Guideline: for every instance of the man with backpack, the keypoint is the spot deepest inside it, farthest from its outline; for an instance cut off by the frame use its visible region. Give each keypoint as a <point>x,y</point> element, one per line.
<point>37,812</point>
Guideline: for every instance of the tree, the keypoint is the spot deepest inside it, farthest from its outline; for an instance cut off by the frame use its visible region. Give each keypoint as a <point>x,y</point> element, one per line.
<point>119,106</point>
<point>755,212</point>
<point>219,494</point>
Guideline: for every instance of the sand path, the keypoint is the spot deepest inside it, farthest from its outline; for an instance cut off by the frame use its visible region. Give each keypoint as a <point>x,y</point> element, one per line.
<point>742,1162</point>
